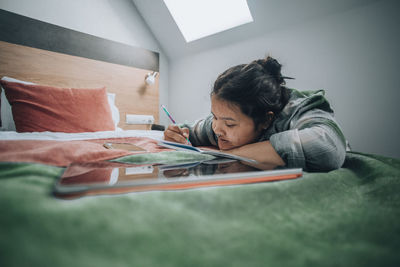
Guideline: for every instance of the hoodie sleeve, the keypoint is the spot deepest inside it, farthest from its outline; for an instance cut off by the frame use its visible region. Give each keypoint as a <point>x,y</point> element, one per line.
<point>314,142</point>
<point>201,133</point>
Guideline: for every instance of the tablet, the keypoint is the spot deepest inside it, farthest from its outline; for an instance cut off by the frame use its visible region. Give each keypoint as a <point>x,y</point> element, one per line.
<point>99,178</point>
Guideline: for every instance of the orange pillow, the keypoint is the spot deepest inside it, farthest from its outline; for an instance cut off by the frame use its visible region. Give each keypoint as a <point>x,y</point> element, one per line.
<point>38,108</point>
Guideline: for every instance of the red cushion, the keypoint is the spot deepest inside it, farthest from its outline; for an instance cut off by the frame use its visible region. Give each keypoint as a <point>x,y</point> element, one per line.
<point>38,108</point>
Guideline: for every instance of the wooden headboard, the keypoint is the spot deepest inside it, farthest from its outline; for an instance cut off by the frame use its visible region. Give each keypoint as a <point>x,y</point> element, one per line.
<point>47,54</point>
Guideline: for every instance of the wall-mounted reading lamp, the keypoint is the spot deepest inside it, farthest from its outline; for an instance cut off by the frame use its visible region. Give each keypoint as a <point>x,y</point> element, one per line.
<point>151,77</point>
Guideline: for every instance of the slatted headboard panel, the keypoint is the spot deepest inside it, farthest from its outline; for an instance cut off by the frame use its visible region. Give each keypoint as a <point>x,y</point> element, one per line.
<point>43,53</point>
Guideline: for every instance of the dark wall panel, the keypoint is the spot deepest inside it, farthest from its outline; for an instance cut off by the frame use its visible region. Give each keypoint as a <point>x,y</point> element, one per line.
<point>26,31</point>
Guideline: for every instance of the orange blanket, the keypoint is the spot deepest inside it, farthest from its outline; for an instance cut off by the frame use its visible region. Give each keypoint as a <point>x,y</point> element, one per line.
<point>62,153</point>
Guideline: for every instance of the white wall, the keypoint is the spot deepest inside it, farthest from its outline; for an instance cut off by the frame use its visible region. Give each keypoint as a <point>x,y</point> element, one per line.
<point>116,20</point>
<point>353,55</point>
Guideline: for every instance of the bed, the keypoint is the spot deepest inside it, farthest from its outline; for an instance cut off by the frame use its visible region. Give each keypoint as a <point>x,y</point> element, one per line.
<point>346,217</point>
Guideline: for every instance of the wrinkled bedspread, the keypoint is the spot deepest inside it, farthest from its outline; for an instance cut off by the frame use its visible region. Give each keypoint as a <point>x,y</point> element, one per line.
<point>347,217</point>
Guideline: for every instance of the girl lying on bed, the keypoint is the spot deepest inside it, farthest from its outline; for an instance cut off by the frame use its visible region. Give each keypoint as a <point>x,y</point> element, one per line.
<point>254,115</point>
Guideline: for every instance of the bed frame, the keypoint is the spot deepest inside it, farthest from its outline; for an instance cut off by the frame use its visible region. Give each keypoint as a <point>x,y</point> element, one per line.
<point>43,53</point>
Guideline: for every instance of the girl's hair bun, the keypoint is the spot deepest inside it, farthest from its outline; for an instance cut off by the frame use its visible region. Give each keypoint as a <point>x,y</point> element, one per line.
<point>272,67</point>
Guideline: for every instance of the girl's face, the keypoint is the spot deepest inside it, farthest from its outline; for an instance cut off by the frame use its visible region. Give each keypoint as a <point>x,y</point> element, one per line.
<point>232,127</point>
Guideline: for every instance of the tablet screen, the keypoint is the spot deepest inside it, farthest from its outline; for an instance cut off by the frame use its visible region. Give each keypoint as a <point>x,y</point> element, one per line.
<point>110,178</point>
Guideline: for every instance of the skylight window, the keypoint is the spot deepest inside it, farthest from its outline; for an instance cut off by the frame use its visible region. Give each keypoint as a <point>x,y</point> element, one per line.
<point>200,18</point>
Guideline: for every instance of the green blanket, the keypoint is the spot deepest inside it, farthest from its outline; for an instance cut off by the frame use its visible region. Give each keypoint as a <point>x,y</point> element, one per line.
<point>347,217</point>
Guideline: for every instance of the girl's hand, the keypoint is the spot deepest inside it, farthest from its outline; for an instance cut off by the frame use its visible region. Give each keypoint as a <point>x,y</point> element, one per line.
<point>176,134</point>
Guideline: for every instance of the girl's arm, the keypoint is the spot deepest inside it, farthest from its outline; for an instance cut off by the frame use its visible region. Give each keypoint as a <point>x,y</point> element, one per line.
<point>316,148</point>
<point>263,152</point>
<point>201,133</point>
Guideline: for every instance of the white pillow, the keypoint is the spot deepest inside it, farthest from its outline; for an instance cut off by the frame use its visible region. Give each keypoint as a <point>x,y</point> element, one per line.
<point>7,121</point>
<point>114,109</point>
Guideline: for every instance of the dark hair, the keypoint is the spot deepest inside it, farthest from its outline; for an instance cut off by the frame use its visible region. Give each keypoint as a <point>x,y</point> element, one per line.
<point>257,88</point>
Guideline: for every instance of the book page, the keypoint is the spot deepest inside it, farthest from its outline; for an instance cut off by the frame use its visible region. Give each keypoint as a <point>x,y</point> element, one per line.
<point>216,153</point>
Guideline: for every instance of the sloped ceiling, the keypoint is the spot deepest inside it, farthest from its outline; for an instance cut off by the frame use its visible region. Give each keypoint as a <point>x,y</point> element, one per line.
<point>268,15</point>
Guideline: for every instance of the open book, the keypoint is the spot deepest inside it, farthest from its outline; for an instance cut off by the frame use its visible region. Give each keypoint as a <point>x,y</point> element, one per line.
<point>215,153</point>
